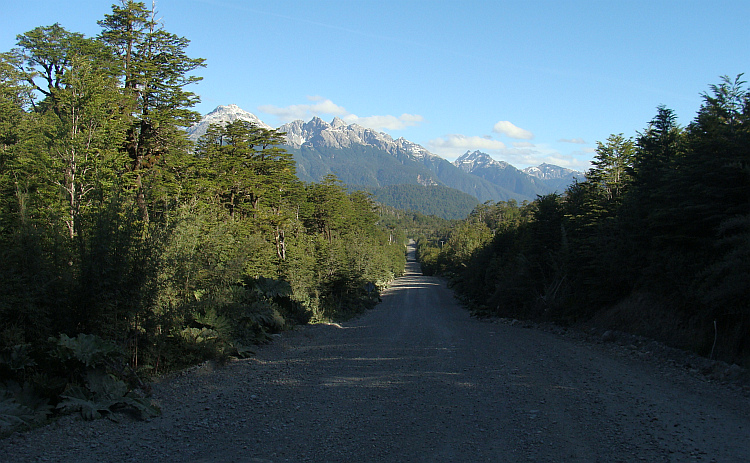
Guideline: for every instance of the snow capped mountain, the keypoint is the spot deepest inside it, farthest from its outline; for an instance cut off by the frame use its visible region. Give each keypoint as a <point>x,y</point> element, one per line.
<point>529,182</point>
<point>368,158</point>
<point>500,173</point>
<point>551,172</point>
<point>414,149</point>
<point>223,115</point>
<point>469,162</point>
<point>339,135</point>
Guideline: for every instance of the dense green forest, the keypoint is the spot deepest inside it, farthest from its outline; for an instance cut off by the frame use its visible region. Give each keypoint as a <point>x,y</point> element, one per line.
<point>655,240</point>
<point>128,251</point>
<point>437,200</point>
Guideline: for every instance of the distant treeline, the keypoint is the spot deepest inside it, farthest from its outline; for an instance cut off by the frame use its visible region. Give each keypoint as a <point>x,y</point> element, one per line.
<point>655,240</point>
<point>126,251</point>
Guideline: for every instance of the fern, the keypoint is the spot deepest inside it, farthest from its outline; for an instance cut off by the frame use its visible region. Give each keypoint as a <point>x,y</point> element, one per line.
<point>242,351</point>
<point>199,335</point>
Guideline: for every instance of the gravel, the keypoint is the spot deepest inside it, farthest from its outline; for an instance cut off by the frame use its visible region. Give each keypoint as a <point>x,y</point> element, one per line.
<point>418,379</point>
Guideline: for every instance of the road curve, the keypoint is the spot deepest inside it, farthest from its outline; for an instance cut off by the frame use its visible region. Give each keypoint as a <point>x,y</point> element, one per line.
<point>418,380</point>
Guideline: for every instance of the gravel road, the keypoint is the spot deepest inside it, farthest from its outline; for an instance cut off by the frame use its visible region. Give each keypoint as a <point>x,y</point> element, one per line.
<point>418,380</point>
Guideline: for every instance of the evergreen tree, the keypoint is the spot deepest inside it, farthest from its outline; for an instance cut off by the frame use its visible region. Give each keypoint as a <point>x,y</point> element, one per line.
<point>704,186</point>
<point>612,165</point>
<point>13,99</point>
<point>154,71</point>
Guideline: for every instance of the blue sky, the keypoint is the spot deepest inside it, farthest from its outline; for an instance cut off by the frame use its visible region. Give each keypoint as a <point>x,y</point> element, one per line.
<point>525,81</point>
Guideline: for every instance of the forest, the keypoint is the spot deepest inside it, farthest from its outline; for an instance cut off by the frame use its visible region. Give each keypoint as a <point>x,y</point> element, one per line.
<point>128,252</point>
<point>436,200</point>
<point>654,241</point>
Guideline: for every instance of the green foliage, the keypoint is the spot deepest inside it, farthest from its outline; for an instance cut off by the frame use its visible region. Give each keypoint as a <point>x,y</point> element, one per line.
<point>664,215</point>
<point>13,414</point>
<point>612,166</point>
<point>429,200</point>
<point>17,357</point>
<point>90,350</point>
<point>241,165</point>
<point>103,394</point>
<point>21,406</point>
<point>56,374</point>
<point>127,252</point>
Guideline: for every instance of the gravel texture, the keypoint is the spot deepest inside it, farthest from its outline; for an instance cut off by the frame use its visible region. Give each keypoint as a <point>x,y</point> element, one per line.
<point>419,380</point>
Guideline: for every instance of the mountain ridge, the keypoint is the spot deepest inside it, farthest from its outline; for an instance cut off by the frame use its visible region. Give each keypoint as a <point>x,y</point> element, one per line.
<point>366,157</point>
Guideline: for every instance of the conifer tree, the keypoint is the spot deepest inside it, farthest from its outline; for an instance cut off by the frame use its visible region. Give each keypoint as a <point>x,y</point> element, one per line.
<point>612,165</point>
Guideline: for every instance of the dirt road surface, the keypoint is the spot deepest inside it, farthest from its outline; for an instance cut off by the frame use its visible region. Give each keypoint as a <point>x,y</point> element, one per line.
<point>418,380</point>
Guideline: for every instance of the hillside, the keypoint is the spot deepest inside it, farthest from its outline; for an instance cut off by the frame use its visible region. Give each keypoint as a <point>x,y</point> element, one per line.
<point>437,200</point>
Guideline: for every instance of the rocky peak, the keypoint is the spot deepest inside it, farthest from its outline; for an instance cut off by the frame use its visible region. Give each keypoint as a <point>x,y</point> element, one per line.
<point>339,135</point>
<point>551,172</point>
<point>470,161</point>
<point>317,123</point>
<point>316,132</point>
<point>338,123</point>
<point>223,115</point>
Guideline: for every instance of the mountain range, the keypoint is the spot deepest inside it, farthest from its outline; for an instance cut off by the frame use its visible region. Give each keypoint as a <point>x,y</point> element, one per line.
<point>363,158</point>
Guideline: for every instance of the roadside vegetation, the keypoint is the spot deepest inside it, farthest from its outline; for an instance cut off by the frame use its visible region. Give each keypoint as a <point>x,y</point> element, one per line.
<point>654,241</point>
<point>128,251</point>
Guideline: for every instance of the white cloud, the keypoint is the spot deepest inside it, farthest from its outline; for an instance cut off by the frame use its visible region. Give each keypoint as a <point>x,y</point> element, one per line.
<point>305,111</point>
<point>524,157</point>
<point>507,128</point>
<point>323,107</point>
<point>462,143</point>
<point>385,122</point>
<point>579,141</point>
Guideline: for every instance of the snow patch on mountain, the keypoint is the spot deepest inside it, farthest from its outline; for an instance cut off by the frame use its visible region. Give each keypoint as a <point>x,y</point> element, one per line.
<point>223,115</point>
<point>338,135</point>
<point>471,161</point>
<point>551,172</point>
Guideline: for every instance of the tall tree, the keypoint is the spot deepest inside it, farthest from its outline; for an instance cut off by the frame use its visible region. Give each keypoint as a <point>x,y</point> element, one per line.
<point>612,165</point>
<point>709,182</point>
<point>657,148</point>
<point>327,207</point>
<point>83,137</point>
<point>77,104</point>
<point>154,71</point>
<point>658,145</point>
<point>243,165</point>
